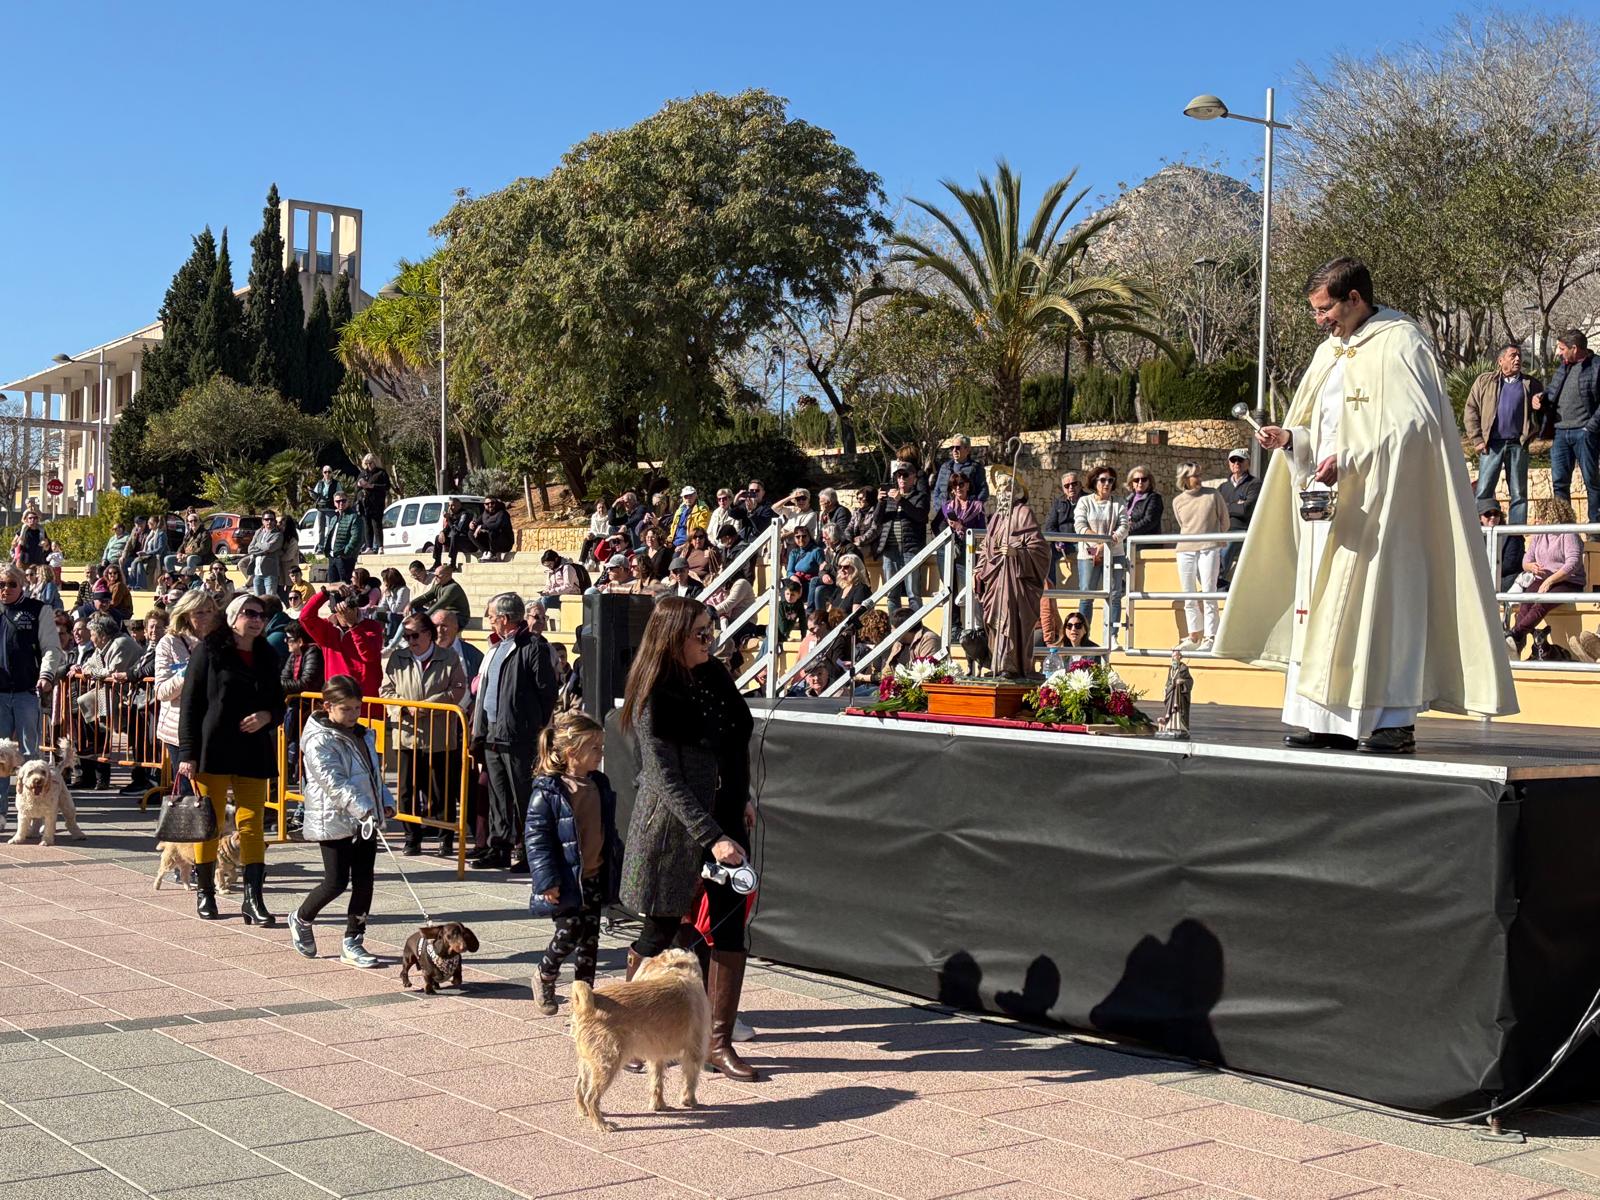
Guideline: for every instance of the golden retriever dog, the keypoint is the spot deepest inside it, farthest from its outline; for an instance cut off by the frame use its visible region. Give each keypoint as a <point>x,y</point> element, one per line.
<point>660,1015</point>
<point>42,795</point>
<point>179,857</point>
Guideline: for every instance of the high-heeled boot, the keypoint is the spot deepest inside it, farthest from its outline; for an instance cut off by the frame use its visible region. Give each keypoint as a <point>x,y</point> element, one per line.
<point>205,891</point>
<point>254,905</point>
<point>727,981</point>
<point>633,1065</point>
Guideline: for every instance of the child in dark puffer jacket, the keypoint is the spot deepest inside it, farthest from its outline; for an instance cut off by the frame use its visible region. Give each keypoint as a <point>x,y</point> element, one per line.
<point>574,851</point>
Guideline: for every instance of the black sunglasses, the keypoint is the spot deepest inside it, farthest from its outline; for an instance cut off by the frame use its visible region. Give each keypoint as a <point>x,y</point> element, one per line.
<point>252,614</point>
<point>1076,625</point>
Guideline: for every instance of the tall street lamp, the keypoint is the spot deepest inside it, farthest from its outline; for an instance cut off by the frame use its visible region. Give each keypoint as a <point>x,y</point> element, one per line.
<point>394,291</point>
<point>102,422</point>
<point>1209,108</point>
<point>1205,268</point>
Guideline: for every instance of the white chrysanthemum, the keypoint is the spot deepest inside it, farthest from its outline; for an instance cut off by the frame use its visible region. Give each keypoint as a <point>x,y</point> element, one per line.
<point>1114,681</point>
<point>1079,682</point>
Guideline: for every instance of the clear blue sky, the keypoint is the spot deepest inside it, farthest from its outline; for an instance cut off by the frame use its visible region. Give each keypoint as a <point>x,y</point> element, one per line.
<point>129,128</point>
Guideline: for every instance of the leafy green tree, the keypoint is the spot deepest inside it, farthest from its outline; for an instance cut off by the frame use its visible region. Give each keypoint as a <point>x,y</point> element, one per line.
<point>164,375</point>
<point>218,330</point>
<point>1018,288</point>
<point>340,312</point>
<point>324,371</point>
<point>222,421</point>
<point>614,289</point>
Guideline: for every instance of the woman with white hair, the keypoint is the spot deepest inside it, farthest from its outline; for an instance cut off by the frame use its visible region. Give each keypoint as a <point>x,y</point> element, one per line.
<point>372,485</point>
<point>1198,510</point>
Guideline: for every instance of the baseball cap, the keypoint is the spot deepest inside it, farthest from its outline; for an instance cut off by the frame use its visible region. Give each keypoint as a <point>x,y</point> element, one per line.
<point>901,466</point>
<point>100,591</point>
<point>617,562</point>
<point>688,491</point>
<point>1240,453</point>
<point>679,563</point>
<point>1488,506</point>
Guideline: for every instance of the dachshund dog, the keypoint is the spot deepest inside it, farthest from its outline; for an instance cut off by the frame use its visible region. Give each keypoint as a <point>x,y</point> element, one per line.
<point>436,951</point>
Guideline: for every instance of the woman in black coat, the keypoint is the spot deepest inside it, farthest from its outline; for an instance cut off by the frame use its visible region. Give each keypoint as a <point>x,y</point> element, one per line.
<point>232,701</point>
<point>691,728</point>
<point>373,483</point>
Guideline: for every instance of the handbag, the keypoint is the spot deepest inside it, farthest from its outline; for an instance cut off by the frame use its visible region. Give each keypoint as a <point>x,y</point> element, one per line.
<point>186,815</point>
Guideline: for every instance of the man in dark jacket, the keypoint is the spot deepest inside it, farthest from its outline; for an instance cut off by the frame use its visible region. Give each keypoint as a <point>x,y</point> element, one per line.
<point>1239,492</point>
<point>491,531</point>
<point>31,663</point>
<point>903,528</point>
<point>1574,399</point>
<point>960,462</point>
<point>751,508</point>
<point>323,492</point>
<point>345,535</point>
<point>516,698</point>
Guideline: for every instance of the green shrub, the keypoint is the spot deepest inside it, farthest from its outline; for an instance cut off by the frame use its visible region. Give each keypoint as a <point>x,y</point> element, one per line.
<point>82,538</point>
<point>493,481</point>
<point>773,459</point>
<point>1459,382</point>
<point>1160,382</point>
<point>1102,395</point>
<point>1198,394</point>
<point>1041,401</point>
<point>811,427</point>
<point>612,480</point>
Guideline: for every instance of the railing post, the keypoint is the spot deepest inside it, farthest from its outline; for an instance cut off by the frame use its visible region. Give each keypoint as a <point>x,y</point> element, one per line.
<point>971,598</point>
<point>775,598</point>
<point>947,564</point>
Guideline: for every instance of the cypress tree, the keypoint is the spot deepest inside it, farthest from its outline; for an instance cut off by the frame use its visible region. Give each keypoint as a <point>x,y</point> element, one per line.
<point>164,373</point>
<point>289,334</point>
<point>275,316</point>
<point>219,328</point>
<point>340,311</point>
<point>323,372</point>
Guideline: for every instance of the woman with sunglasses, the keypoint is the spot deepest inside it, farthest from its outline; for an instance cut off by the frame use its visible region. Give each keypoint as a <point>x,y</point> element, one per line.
<point>691,731</point>
<point>429,739</point>
<point>1102,513</point>
<point>1144,503</point>
<point>232,699</point>
<point>1198,509</point>
<point>1075,634</point>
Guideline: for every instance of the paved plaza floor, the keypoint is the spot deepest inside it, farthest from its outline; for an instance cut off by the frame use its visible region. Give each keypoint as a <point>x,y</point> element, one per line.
<point>145,1053</point>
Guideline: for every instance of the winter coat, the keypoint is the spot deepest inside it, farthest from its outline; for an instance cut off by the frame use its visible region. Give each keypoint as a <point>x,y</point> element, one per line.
<point>903,522</point>
<point>172,657</point>
<point>303,672</point>
<point>682,777</point>
<point>527,696</point>
<point>344,784</point>
<point>554,857</point>
<point>219,690</point>
<point>356,651</point>
<point>373,488</point>
<point>442,681</point>
<point>265,551</point>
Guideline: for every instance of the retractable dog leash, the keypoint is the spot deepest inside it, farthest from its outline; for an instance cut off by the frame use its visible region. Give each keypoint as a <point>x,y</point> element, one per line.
<point>377,828</point>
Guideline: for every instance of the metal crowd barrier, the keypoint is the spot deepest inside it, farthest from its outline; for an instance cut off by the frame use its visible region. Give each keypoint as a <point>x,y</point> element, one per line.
<point>111,722</point>
<point>431,789</point>
<point>1177,541</point>
<point>1506,600</point>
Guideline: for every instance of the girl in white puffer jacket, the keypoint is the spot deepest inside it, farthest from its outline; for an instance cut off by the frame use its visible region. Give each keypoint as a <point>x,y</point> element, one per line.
<point>346,799</point>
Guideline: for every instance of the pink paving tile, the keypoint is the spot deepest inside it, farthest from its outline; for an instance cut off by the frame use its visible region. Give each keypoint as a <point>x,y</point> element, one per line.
<point>1080,1172</point>
<point>783,1126</point>
<point>900,1170</point>
<point>434,1121</point>
<point>341,985</point>
<point>842,1189</point>
<point>51,1018</point>
<point>538,1164</point>
<point>36,997</point>
<point>1135,1097</point>
<point>1430,1175</point>
<point>624,1105</point>
<point>1261,1131</point>
<point>336,1028</point>
<point>423,1005</point>
<point>721,1166</point>
<point>156,1002</point>
<point>922,1123</point>
<point>498,1086</point>
<point>222,984</point>
<point>273,1050</point>
<point>646,1189</point>
<point>214,1031</point>
<point>346,1085</point>
<point>1097,1129</point>
<point>415,1051</point>
<point>522,1007</point>
<point>108,978</point>
<point>472,1028</point>
<point>1259,1175</point>
<point>552,1056</point>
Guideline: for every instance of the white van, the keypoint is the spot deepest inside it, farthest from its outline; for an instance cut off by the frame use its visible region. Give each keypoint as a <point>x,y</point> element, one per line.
<point>407,523</point>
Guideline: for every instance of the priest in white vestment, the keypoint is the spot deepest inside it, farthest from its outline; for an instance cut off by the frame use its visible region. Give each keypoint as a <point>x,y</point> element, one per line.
<point>1386,610</point>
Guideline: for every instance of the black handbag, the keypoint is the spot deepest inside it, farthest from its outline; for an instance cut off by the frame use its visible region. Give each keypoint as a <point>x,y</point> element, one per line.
<point>186,815</point>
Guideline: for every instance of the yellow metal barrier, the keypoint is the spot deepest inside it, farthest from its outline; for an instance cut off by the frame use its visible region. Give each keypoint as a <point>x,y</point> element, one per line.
<point>428,775</point>
<point>109,721</point>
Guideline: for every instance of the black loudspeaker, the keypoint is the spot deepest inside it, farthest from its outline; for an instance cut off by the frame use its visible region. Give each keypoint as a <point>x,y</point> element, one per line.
<point>613,628</point>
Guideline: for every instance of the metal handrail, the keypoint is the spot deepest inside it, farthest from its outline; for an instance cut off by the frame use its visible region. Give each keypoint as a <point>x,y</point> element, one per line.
<point>771,540</point>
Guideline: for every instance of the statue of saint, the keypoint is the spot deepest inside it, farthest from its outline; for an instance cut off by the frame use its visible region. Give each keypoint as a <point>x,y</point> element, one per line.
<point>1010,576</point>
<point>1180,687</point>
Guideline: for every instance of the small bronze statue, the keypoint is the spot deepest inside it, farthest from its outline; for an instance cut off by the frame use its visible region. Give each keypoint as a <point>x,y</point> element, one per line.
<point>1174,721</point>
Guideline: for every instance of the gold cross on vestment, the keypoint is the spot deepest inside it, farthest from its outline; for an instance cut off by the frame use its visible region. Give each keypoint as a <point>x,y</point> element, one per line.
<point>1344,351</point>
<point>1357,397</point>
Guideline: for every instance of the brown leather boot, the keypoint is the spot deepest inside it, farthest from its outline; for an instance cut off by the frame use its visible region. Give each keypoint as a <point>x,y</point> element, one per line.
<point>727,981</point>
<point>633,1065</point>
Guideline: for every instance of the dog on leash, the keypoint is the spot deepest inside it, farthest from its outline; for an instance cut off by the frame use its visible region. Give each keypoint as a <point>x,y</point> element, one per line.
<point>42,795</point>
<point>436,951</point>
<point>660,1015</point>
<point>179,857</point>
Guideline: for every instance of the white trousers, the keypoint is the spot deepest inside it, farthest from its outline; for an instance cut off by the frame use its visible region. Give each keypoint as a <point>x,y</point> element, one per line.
<point>1197,572</point>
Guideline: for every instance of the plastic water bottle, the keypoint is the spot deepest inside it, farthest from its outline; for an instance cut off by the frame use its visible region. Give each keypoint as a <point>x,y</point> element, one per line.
<point>1052,662</point>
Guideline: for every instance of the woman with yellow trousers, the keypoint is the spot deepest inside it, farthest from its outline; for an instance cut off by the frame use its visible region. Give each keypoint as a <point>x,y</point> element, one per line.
<point>232,702</point>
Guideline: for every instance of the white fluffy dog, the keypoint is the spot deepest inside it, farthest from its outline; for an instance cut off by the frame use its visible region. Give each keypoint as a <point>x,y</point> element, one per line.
<point>42,794</point>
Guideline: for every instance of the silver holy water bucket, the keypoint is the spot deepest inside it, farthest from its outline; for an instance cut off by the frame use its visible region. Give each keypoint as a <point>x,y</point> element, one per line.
<point>1317,505</point>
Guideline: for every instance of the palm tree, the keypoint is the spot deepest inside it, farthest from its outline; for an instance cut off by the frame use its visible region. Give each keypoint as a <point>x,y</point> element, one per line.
<point>1019,290</point>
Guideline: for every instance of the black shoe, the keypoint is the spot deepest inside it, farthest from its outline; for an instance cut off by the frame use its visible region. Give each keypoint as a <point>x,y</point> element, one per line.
<point>447,846</point>
<point>205,891</point>
<point>1306,740</point>
<point>1397,739</point>
<point>519,866</point>
<point>481,853</point>
<point>495,860</point>
<point>254,906</point>
<point>139,783</point>
<point>413,847</point>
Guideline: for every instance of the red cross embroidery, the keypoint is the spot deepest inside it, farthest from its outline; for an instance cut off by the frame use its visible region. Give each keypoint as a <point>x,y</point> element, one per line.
<point>1301,613</point>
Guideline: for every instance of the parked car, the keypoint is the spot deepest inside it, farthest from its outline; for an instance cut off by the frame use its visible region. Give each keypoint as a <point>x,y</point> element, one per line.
<point>414,521</point>
<point>231,533</point>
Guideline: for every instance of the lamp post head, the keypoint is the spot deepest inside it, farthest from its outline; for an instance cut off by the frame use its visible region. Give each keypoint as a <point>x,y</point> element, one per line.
<point>1205,108</point>
<point>390,291</point>
<point>61,358</point>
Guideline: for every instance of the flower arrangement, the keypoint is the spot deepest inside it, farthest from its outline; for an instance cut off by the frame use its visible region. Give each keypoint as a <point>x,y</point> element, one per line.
<point>901,690</point>
<point>1086,692</point>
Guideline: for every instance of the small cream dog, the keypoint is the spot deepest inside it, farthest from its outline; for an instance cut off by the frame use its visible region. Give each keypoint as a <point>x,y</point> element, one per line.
<point>660,1015</point>
<point>179,857</point>
<point>42,794</point>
